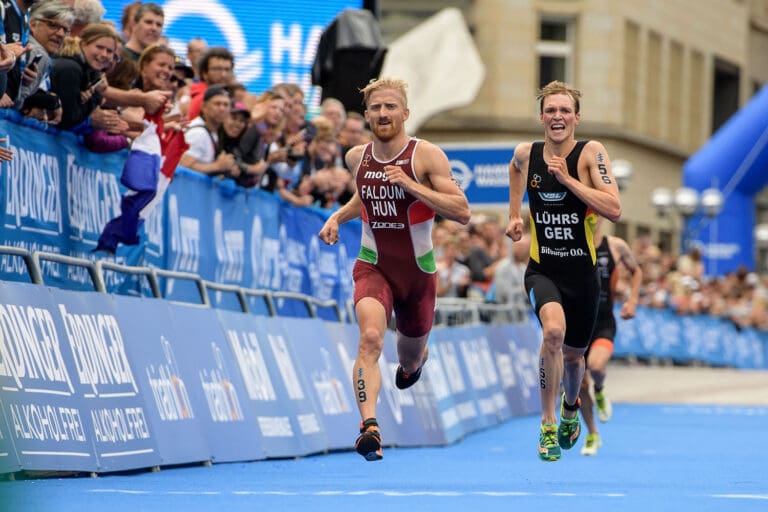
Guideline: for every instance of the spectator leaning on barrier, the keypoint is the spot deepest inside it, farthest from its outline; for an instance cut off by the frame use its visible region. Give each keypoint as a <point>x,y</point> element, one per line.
<point>156,73</point>
<point>49,24</point>
<point>203,139</point>
<point>294,98</point>
<point>16,28</point>
<point>77,80</point>
<point>249,159</point>
<point>43,106</point>
<point>294,131</point>
<point>262,139</point>
<point>330,181</point>
<point>297,132</point>
<point>106,116</point>
<point>182,73</point>
<point>216,67</point>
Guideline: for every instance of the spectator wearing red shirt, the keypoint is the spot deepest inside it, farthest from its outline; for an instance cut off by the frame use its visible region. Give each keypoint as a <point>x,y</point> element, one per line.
<point>216,66</point>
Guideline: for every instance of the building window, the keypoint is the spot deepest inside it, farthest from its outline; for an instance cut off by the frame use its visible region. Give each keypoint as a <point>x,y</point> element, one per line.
<point>653,84</point>
<point>697,129</point>
<point>555,50</point>
<point>632,75</point>
<point>675,93</point>
<point>726,92</point>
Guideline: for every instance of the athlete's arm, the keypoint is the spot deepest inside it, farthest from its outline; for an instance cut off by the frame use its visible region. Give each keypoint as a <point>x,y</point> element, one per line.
<point>352,210</point>
<point>626,258</point>
<point>443,195</point>
<point>603,195</point>
<point>518,174</point>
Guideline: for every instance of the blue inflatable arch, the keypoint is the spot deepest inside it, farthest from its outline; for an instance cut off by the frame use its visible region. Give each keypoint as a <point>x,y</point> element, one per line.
<point>735,161</point>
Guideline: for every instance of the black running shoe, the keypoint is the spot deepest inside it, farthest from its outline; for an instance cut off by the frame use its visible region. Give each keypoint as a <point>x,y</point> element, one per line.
<point>405,380</point>
<point>369,443</point>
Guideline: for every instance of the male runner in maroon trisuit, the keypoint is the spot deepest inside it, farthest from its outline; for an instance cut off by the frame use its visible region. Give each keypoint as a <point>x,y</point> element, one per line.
<point>402,182</point>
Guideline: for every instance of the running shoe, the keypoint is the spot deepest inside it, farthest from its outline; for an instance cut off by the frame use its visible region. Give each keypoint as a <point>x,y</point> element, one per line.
<point>405,380</point>
<point>591,445</point>
<point>569,429</point>
<point>368,444</point>
<point>604,407</point>
<point>549,450</point>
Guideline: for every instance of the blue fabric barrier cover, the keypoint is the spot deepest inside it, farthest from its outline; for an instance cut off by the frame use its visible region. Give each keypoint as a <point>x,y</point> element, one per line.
<point>655,333</point>
<point>323,378</point>
<point>515,368</point>
<point>217,390</point>
<point>49,423</point>
<point>448,353</point>
<point>167,385</point>
<point>107,381</point>
<point>524,342</point>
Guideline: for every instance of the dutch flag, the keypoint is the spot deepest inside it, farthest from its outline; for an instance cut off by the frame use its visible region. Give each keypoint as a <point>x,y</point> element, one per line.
<point>147,172</point>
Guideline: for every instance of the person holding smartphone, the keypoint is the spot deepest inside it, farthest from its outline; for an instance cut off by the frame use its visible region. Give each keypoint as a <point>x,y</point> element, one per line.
<point>78,79</point>
<point>49,24</point>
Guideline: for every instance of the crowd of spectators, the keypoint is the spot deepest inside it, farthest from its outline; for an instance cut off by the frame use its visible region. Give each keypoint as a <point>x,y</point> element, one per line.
<point>478,262</point>
<point>679,282</point>
<point>63,65</point>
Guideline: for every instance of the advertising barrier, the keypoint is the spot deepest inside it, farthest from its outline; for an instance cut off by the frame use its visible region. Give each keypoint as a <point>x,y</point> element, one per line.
<point>86,386</point>
<point>285,339</point>
<point>217,389</point>
<point>106,381</point>
<point>326,381</point>
<point>448,353</point>
<point>661,334</point>
<point>515,350</point>
<point>167,386</point>
<point>411,419</point>
<point>49,424</point>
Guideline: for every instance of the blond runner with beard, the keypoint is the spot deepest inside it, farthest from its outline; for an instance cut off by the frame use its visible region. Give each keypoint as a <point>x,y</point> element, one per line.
<point>402,183</point>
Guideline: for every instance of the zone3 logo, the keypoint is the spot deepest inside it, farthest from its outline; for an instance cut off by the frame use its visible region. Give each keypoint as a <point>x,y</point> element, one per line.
<point>377,224</point>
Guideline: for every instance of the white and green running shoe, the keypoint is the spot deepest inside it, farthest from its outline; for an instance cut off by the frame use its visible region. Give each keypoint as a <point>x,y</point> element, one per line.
<point>604,407</point>
<point>591,445</point>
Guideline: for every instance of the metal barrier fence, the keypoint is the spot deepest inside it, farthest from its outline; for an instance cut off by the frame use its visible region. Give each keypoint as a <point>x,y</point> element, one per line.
<point>454,311</point>
<point>96,269</point>
<point>448,311</point>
